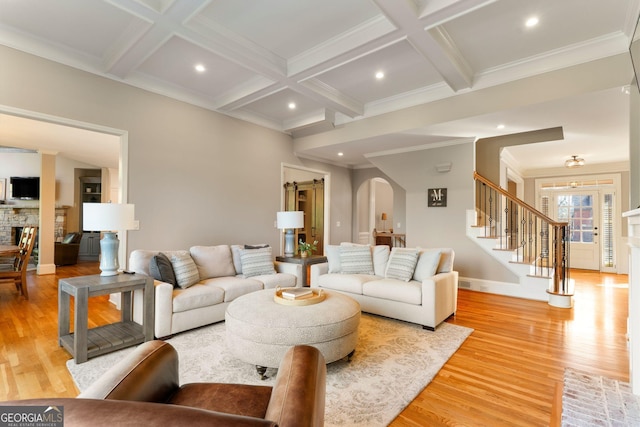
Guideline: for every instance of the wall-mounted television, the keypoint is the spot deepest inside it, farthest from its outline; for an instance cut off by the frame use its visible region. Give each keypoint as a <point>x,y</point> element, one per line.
<point>25,188</point>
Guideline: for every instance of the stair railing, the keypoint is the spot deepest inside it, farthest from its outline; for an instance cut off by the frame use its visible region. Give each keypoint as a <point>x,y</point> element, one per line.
<point>534,238</point>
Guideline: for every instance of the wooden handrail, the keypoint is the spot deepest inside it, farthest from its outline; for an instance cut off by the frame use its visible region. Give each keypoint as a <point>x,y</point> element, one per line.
<point>535,238</point>
<point>517,201</point>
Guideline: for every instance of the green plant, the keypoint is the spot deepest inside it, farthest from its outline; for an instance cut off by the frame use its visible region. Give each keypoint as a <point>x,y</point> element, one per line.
<point>307,247</point>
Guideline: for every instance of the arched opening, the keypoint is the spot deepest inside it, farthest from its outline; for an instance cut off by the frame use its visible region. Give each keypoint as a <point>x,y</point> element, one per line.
<point>374,198</point>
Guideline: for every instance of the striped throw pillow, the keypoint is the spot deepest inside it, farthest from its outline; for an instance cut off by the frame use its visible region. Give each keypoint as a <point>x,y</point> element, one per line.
<point>356,260</point>
<point>256,262</point>
<point>402,263</point>
<point>185,269</point>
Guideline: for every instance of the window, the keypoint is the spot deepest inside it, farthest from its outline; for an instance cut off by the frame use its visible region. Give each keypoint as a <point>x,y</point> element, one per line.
<point>577,210</point>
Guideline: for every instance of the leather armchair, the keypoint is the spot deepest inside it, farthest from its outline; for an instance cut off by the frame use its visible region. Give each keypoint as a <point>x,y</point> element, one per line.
<point>143,389</point>
<point>66,252</point>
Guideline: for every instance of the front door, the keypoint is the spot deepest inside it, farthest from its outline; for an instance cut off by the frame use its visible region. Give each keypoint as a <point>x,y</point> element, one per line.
<point>580,210</point>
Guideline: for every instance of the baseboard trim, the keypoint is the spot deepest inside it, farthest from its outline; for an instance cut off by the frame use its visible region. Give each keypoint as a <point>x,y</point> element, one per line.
<point>46,269</point>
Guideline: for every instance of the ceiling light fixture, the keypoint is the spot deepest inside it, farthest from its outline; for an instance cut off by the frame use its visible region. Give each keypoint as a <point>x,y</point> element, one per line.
<point>574,162</point>
<point>292,106</point>
<point>500,126</point>
<point>380,75</point>
<point>532,22</point>
<point>200,68</point>
<point>341,154</point>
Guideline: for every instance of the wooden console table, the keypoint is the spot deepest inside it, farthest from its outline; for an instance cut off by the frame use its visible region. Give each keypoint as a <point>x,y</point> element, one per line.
<point>393,240</point>
<point>84,343</point>
<point>305,261</point>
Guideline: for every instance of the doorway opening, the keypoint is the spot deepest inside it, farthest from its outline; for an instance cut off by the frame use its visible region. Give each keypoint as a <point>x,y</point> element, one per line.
<point>591,207</point>
<point>374,211</point>
<point>61,124</point>
<point>307,190</point>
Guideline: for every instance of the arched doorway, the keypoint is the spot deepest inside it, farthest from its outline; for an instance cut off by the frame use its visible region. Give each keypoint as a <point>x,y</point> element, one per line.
<point>374,198</point>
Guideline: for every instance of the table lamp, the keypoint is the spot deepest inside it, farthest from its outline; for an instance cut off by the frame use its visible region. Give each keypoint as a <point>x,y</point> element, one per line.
<point>108,218</point>
<point>383,217</point>
<point>288,221</point>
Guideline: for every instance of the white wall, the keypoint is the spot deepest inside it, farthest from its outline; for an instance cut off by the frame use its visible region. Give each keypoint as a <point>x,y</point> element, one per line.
<point>443,226</point>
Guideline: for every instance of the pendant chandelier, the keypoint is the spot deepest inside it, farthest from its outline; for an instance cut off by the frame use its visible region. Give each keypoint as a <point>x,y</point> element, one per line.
<point>574,162</point>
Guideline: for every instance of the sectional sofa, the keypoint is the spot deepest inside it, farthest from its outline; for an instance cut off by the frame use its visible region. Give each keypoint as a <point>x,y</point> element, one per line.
<point>194,287</point>
<point>411,284</point>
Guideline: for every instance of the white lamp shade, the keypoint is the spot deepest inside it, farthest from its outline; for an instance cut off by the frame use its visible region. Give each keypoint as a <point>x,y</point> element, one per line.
<point>107,217</point>
<point>290,219</point>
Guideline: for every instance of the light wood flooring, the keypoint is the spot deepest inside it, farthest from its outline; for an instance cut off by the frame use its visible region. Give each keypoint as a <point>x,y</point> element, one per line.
<point>507,373</point>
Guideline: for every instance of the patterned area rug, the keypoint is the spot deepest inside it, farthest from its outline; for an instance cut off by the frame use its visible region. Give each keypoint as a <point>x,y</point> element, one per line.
<point>593,400</point>
<point>393,363</point>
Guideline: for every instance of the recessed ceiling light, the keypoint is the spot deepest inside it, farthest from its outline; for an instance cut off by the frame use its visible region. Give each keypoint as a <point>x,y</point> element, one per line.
<point>500,126</point>
<point>532,22</point>
<point>292,105</point>
<point>380,75</point>
<point>200,68</point>
<point>341,154</point>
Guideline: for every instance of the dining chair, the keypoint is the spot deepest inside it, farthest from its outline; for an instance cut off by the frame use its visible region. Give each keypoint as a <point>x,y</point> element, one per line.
<point>18,275</point>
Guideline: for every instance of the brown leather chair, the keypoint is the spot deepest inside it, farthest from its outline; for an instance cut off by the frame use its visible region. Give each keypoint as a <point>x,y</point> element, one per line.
<point>66,252</point>
<point>144,389</point>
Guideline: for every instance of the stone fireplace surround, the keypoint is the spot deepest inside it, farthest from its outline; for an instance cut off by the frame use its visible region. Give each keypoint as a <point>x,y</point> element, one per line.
<point>12,216</point>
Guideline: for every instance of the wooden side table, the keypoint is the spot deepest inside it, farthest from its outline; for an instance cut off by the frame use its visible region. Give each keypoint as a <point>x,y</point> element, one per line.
<point>305,261</point>
<point>84,343</point>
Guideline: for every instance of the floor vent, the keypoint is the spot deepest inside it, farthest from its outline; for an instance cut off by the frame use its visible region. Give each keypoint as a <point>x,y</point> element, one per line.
<point>464,284</point>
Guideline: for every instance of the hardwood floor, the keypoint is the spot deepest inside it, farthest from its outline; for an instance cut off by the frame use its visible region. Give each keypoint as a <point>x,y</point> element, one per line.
<point>507,373</point>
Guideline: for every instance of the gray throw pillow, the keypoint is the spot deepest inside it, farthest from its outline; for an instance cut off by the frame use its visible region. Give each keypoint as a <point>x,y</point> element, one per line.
<point>160,269</point>
<point>185,269</point>
<point>402,263</point>
<point>257,262</point>
<point>356,260</point>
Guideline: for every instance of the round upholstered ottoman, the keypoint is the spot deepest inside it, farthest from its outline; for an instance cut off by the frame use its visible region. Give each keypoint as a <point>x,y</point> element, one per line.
<point>259,330</point>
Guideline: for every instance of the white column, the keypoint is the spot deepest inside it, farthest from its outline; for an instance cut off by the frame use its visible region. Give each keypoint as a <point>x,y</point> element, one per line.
<point>633,322</point>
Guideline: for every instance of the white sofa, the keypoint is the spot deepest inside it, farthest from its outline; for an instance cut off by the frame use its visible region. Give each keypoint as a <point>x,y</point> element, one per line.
<point>427,295</point>
<point>220,280</point>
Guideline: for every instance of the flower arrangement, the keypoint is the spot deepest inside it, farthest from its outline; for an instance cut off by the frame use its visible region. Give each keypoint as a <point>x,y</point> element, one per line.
<point>307,248</point>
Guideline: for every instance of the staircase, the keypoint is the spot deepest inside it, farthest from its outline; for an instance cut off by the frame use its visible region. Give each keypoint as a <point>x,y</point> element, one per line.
<point>528,243</point>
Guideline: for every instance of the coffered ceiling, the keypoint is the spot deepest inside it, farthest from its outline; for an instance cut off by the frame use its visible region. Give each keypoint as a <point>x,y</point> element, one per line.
<point>308,66</point>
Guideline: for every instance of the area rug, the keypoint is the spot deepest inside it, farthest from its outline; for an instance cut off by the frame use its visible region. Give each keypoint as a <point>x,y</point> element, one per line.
<point>394,361</point>
<point>593,400</point>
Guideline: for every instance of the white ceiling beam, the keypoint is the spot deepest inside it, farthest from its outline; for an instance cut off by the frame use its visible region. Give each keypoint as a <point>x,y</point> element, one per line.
<point>437,12</point>
<point>435,45</point>
<point>315,118</point>
<point>162,26</point>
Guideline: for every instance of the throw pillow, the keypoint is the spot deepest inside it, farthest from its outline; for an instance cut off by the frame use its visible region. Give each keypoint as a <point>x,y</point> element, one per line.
<point>380,259</point>
<point>333,258</point>
<point>427,265</point>
<point>264,245</point>
<point>446,260</point>
<point>355,260</point>
<point>213,261</point>
<point>185,269</point>
<point>160,269</point>
<point>402,263</point>
<point>257,262</point>
<point>69,238</point>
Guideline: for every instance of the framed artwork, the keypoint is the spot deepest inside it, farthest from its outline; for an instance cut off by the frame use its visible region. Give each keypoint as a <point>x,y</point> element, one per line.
<point>437,197</point>
<point>3,186</point>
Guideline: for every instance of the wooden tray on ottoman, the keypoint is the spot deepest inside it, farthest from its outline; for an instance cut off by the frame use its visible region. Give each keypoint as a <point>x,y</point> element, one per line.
<point>316,296</point>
